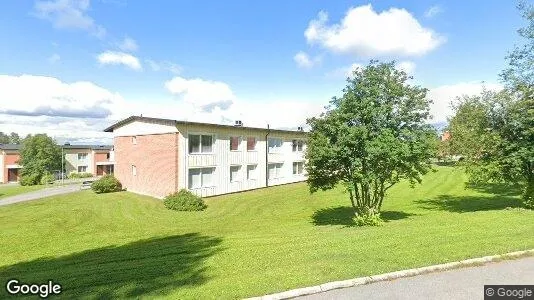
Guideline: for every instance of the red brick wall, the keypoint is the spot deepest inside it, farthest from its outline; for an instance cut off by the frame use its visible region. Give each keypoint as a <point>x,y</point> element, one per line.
<point>156,160</point>
<point>10,159</point>
<point>101,157</point>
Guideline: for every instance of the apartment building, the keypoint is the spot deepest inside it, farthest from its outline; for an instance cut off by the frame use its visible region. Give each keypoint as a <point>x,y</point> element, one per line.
<point>157,157</point>
<point>97,160</point>
<point>9,167</point>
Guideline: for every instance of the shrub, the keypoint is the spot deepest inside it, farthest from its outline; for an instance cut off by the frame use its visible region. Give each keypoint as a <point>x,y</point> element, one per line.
<point>106,184</point>
<point>368,218</point>
<point>30,179</point>
<point>74,175</point>
<point>184,200</point>
<point>47,178</point>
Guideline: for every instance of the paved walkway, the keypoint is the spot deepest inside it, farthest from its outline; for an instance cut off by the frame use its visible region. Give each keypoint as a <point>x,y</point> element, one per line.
<point>466,283</point>
<point>46,192</point>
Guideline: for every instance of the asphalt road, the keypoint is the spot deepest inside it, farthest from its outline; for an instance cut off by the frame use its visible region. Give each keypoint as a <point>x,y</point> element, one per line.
<point>47,192</point>
<point>466,283</point>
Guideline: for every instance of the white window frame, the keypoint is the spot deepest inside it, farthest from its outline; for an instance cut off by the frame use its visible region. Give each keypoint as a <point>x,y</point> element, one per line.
<point>254,172</point>
<point>134,140</point>
<point>202,184</point>
<point>238,177</point>
<point>213,139</point>
<point>84,171</point>
<point>276,149</point>
<point>239,141</point>
<point>255,143</point>
<point>278,168</point>
<point>295,143</point>
<point>134,170</point>
<point>83,156</point>
<point>297,163</point>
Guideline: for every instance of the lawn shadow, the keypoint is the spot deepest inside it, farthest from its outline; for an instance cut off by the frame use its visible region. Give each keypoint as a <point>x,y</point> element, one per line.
<point>342,215</point>
<point>502,189</point>
<point>462,204</point>
<point>154,266</point>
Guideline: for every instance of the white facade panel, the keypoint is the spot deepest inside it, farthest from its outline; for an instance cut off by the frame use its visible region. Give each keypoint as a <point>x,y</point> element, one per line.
<point>143,128</point>
<point>222,158</point>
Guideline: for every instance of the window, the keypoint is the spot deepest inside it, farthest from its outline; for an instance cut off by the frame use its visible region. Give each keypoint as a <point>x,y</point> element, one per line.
<point>201,177</point>
<point>275,144</point>
<point>82,156</point>
<point>298,168</point>
<point>134,170</point>
<point>234,143</point>
<point>251,172</point>
<point>200,143</point>
<point>275,170</point>
<point>82,169</point>
<point>297,145</point>
<point>251,143</point>
<point>235,173</point>
<point>134,140</point>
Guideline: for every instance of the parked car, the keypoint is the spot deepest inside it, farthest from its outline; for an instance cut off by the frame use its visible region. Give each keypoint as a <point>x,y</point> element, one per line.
<point>86,184</point>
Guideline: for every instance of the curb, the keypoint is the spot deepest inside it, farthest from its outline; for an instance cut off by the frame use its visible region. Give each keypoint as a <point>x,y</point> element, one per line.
<point>393,275</point>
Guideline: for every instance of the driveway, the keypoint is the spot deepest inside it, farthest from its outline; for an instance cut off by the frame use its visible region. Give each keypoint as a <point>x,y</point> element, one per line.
<point>466,283</point>
<point>47,192</point>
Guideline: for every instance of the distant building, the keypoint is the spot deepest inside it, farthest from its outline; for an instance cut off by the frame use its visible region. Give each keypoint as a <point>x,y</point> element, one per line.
<point>157,157</point>
<point>97,160</point>
<point>445,136</point>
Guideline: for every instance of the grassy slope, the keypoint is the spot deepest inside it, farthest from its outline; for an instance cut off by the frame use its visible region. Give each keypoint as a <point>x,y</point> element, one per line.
<point>251,243</point>
<point>15,189</point>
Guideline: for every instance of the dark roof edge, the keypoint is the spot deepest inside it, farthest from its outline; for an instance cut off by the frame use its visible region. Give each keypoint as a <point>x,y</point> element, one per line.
<point>176,122</point>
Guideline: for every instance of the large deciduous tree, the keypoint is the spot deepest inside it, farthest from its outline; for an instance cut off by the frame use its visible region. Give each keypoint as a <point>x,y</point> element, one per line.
<point>495,131</point>
<point>39,156</point>
<point>371,137</point>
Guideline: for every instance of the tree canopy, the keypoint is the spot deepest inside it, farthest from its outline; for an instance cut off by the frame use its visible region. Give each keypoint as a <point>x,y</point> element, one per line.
<point>494,131</point>
<point>371,137</point>
<point>12,138</point>
<point>40,156</point>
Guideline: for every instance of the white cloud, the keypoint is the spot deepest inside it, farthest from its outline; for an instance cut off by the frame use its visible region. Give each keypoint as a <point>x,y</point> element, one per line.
<point>54,58</point>
<point>164,65</point>
<point>364,32</point>
<point>29,95</point>
<point>68,14</point>
<point>406,66</point>
<point>128,44</point>
<point>303,60</point>
<point>72,111</point>
<point>205,94</point>
<point>79,111</point>
<point>433,11</point>
<point>445,94</point>
<point>119,58</point>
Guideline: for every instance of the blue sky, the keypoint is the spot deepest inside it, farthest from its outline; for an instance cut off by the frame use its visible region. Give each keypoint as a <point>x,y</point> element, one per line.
<point>72,67</point>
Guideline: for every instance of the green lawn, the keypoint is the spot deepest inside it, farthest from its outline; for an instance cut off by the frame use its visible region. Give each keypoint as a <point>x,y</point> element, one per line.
<point>7,190</point>
<point>249,244</point>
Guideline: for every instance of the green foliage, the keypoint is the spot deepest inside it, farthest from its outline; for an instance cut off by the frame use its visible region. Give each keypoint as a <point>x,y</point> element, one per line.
<point>184,200</point>
<point>372,137</point>
<point>106,184</point>
<point>75,175</point>
<point>12,138</point>
<point>367,218</point>
<point>30,179</point>
<point>519,75</point>
<point>495,130</point>
<point>39,155</point>
<point>47,179</point>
